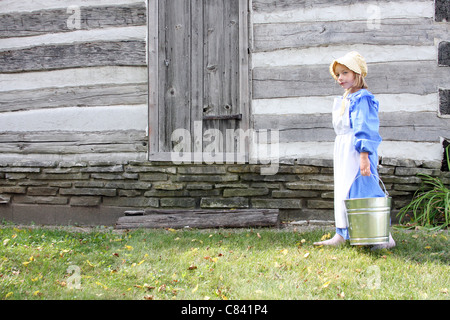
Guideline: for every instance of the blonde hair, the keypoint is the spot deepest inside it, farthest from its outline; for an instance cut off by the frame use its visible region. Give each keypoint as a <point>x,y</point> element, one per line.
<point>360,82</point>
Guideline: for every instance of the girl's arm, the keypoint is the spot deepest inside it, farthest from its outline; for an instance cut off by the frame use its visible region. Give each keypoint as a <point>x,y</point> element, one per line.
<point>364,164</point>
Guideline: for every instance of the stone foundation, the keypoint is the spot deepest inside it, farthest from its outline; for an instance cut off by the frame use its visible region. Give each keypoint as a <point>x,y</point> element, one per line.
<point>97,193</point>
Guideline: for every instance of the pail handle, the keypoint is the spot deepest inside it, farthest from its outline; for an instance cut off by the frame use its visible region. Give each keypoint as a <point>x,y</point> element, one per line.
<point>372,175</point>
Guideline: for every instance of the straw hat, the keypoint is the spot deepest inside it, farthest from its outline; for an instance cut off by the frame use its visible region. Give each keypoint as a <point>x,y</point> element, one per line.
<point>352,60</point>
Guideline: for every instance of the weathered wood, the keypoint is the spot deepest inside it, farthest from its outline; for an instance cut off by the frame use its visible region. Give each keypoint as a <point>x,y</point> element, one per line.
<point>315,80</point>
<point>20,24</point>
<point>202,63</point>
<point>281,5</point>
<point>444,102</point>
<point>72,142</point>
<point>96,95</point>
<point>51,57</point>
<point>201,219</point>
<point>442,10</point>
<point>273,36</point>
<point>174,70</point>
<point>394,126</point>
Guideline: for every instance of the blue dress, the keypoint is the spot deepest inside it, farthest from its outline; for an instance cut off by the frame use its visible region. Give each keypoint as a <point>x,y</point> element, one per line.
<point>364,122</point>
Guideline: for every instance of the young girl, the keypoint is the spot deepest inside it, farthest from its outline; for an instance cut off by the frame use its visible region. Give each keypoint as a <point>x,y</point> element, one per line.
<point>356,123</point>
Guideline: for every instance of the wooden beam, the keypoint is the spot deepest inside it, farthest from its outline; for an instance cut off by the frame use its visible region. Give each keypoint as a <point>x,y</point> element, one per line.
<point>200,219</point>
<point>21,24</point>
<point>52,57</point>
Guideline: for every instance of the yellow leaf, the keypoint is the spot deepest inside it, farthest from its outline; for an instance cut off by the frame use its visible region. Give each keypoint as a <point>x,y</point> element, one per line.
<point>326,236</point>
<point>284,251</point>
<point>141,262</point>
<point>9,294</point>
<point>26,263</point>
<point>129,248</point>
<point>36,293</point>
<point>326,284</point>
<point>90,263</point>
<point>195,289</point>
<point>171,230</point>
<point>101,285</point>
<point>214,259</point>
<point>428,247</point>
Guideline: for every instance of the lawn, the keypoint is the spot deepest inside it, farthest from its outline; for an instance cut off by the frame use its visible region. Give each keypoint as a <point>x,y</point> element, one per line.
<point>245,264</point>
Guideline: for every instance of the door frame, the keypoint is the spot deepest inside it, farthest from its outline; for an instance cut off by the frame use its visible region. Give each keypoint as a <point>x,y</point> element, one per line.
<point>153,58</point>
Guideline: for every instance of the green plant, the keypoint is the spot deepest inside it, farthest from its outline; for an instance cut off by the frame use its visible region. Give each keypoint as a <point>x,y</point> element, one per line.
<point>430,206</point>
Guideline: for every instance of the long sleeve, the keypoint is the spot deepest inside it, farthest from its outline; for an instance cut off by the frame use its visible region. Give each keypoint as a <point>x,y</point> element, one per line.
<point>365,122</point>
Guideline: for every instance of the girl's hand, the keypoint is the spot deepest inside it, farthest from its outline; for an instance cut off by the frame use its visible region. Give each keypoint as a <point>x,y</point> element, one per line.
<point>364,164</point>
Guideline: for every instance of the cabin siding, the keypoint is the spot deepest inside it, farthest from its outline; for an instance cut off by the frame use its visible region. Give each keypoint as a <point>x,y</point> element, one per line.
<point>81,132</point>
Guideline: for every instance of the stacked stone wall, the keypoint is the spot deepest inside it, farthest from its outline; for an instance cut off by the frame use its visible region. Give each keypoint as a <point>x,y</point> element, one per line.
<point>97,192</point>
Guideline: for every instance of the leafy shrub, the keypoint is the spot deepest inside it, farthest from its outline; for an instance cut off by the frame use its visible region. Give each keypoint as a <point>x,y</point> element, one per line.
<point>430,206</point>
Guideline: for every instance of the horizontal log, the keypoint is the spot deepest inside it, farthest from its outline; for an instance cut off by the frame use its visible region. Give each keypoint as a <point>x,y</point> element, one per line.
<point>80,96</point>
<point>21,24</point>
<point>51,57</point>
<point>394,126</point>
<point>73,142</point>
<point>75,77</point>
<point>201,219</point>
<point>281,5</point>
<point>315,80</point>
<point>272,36</point>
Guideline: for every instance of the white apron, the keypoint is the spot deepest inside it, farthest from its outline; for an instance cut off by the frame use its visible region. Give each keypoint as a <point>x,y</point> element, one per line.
<point>346,161</point>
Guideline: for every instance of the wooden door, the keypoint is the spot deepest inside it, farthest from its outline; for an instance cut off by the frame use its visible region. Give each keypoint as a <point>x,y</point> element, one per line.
<point>202,73</point>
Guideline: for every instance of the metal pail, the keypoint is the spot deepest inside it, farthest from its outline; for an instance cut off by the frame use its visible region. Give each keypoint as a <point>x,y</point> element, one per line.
<point>369,220</point>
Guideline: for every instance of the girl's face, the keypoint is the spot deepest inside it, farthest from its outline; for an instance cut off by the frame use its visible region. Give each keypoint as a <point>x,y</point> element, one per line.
<point>346,77</point>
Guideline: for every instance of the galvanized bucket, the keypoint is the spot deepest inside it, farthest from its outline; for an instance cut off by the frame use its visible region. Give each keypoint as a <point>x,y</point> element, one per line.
<point>369,219</point>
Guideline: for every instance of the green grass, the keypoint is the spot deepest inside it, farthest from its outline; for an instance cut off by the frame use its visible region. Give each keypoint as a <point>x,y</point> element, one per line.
<point>216,264</point>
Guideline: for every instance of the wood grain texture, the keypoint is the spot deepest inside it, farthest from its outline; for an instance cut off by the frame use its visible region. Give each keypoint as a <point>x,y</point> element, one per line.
<point>76,55</point>
<point>80,96</point>
<point>21,24</point>
<point>421,31</point>
<point>315,80</point>
<point>201,219</point>
<point>61,143</point>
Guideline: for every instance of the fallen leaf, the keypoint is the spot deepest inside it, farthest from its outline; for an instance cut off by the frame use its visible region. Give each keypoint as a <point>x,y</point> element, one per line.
<point>101,285</point>
<point>306,255</point>
<point>149,297</point>
<point>325,237</point>
<point>195,289</point>
<point>90,263</point>
<point>284,251</point>
<point>192,267</point>
<point>326,284</point>
<point>258,235</point>
<point>162,288</point>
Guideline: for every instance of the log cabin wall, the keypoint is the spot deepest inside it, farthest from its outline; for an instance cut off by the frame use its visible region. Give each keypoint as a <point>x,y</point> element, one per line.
<point>294,43</point>
<point>73,80</point>
<point>74,111</point>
